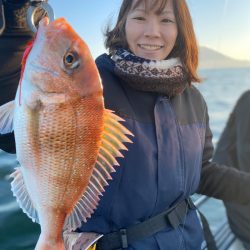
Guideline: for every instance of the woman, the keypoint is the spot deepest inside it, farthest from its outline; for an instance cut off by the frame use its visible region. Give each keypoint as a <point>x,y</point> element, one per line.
<point>147,80</point>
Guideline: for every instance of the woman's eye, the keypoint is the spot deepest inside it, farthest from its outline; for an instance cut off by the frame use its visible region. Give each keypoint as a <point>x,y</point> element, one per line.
<point>167,20</point>
<point>140,18</point>
<point>71,60</point>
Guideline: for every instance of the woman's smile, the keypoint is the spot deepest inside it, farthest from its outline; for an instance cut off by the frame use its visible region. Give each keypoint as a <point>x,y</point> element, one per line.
<point>150,47</point>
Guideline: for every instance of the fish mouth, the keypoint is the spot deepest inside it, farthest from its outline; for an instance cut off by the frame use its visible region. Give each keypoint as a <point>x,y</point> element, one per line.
<point>41,68</point>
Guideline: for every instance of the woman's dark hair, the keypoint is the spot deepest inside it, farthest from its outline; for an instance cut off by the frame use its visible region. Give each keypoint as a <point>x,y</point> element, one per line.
<point>185,48</point>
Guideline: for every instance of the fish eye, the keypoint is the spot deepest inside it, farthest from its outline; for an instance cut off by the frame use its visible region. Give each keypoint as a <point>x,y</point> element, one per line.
<point>71,60</point>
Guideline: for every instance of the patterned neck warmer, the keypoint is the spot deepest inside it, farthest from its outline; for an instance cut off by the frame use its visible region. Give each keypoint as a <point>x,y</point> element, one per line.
<point>166,77</point>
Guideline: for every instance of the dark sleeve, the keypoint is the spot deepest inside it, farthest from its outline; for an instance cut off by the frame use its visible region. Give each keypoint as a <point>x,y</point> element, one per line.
<point>12,45</point>
<point>233,148</point>
<point>220,181</point>
<point>11,50</point>
<point>225,152</point>
<point>242,117</point>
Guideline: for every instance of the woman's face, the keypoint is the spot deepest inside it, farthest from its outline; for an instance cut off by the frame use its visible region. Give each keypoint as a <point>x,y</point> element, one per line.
<point>151,35</point>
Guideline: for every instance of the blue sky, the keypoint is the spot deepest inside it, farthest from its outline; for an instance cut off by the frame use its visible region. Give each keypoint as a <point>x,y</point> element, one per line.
<point>223,25</point>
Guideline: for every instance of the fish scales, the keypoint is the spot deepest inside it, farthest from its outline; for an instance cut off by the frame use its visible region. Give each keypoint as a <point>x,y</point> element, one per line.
<point>65,137</point>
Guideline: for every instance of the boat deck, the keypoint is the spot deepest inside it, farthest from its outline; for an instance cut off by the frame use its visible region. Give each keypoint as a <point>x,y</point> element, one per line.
<point>236,246</point>
<point>215,214</point>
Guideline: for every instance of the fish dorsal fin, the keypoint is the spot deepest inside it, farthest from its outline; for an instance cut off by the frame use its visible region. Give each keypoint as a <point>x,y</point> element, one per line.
<point>113,138</point>
<point>6,117</point>
<point>20,192</point>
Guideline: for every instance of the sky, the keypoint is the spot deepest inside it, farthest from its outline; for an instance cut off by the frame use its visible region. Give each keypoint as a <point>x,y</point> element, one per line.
<point>223,25</point>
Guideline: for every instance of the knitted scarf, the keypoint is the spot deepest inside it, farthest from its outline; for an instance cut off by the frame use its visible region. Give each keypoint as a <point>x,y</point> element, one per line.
<point>166,77</point>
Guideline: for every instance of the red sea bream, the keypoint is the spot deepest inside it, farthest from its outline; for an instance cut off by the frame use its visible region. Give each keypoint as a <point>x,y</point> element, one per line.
<point>66,141</point>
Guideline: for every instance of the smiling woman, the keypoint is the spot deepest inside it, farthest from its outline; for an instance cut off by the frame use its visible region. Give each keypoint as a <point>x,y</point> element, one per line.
<point>147,75</point>
<point>141,24</point>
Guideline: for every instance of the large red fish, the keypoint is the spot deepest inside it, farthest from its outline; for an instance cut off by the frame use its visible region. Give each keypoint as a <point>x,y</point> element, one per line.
<point>66,141</point>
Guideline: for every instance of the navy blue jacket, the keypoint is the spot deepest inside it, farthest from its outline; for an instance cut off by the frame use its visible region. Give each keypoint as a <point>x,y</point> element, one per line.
<point>162,167</point>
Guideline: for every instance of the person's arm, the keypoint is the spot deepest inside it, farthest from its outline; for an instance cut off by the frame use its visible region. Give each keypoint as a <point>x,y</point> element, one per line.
<point>233,148</point>
<point>222,182</point>
<point>12,45</point>
<point>242,121</point>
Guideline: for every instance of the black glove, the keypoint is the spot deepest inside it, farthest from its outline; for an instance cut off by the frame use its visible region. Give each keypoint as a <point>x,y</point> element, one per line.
<point>15,17</point>
<point>15,12</point>
<point>12,44</point>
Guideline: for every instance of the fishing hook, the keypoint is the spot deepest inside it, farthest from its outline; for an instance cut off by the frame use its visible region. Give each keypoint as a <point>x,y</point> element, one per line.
<point>35,6</point>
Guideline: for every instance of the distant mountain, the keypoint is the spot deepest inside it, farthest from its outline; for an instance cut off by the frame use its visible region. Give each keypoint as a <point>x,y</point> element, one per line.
<point>210,59</point>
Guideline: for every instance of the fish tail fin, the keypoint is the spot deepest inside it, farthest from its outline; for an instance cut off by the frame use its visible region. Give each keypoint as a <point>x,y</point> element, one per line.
<point>6,117</point>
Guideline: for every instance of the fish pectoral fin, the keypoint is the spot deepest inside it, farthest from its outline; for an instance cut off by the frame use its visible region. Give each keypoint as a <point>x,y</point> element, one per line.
<point>6,117</point>
<point>113,138</point>
<point>20,192</point>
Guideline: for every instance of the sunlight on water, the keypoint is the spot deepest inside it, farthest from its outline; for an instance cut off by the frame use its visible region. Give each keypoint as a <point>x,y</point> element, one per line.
<point>221,89</point>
